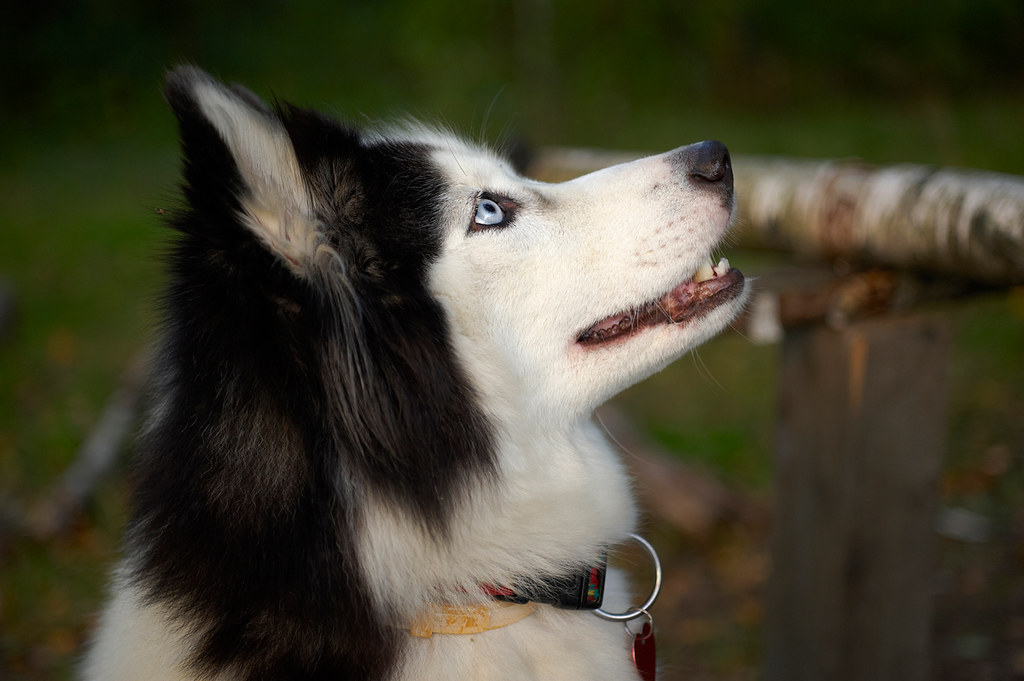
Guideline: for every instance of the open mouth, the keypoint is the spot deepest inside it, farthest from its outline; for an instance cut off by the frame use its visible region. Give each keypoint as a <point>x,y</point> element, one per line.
<point>710,287</point>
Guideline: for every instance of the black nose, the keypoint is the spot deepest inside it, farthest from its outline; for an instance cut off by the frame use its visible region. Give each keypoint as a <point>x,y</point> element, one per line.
<point>706,162</point>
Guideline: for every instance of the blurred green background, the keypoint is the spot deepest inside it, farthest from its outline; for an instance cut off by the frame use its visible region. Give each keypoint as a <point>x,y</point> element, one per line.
<point>88,157</point>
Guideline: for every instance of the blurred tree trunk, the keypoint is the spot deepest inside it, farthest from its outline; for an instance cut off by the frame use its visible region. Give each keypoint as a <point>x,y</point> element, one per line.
<point>860,448</point>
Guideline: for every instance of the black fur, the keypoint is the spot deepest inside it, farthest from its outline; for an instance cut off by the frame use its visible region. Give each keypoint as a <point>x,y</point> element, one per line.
<point>283,400</point>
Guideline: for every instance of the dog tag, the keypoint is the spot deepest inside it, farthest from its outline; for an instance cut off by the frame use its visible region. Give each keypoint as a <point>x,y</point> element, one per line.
<point>644,654</point>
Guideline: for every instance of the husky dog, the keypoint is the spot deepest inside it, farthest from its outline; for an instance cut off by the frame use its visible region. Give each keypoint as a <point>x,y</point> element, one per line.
<point>370,452</point>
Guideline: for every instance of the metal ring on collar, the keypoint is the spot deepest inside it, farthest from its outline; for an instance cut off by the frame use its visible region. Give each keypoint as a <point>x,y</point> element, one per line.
<point>642,610</point>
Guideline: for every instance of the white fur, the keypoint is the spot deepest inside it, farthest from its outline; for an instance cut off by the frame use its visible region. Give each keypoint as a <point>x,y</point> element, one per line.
<point>517,299</point>
<point>136,642</point>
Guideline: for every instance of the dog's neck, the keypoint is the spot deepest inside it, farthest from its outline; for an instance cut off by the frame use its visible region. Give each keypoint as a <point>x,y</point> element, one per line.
<point>559,501</point>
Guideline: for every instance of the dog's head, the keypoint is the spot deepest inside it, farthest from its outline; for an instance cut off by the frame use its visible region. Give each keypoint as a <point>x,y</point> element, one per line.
<point>553,296</point>
<point>569,293</point>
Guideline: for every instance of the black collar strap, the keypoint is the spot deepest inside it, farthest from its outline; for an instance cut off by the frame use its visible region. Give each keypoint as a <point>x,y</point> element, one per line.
<point>581,591</point>
<point>584,590</point>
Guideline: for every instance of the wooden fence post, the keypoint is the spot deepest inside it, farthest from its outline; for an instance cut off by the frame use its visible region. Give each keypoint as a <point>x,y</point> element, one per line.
<point>860,447</point>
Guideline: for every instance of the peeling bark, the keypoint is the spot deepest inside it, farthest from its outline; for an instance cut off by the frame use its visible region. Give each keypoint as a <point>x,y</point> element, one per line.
<point>964,223</point>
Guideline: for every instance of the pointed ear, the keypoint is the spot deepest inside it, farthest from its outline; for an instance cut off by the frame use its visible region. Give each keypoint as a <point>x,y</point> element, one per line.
<point>274,199</point>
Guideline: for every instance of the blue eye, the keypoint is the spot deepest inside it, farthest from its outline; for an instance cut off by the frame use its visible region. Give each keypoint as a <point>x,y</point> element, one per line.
<point>488,213</point>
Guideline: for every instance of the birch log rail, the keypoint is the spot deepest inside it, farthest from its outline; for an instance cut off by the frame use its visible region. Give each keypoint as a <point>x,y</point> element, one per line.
<point>967,224</point>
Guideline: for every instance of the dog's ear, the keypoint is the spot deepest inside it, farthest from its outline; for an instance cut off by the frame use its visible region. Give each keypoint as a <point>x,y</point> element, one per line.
<point>239,156</point>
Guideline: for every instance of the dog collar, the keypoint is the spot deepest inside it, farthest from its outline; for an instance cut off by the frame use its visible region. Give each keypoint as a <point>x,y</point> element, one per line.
<point>583,591</point>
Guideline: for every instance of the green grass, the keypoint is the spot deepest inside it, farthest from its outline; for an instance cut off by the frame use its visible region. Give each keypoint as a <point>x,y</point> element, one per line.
<point>78,239</point>
<point>714,408</point>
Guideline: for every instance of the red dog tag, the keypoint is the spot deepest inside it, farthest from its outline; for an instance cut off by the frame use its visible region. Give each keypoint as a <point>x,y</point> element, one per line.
<point>644,654</point>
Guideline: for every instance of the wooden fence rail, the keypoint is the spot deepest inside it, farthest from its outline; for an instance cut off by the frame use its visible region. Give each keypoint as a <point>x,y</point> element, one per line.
<point>861,429</point>
<point>964,223</point>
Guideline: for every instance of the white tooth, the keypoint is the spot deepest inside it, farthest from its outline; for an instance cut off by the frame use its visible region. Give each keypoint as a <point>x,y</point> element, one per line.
<point>706,271</point>
<point>722,267</point>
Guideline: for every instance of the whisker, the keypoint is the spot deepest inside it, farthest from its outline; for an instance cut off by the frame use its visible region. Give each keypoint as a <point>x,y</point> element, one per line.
<point>487,114</point>
<point>455,157</point>
<point>704,370</point>
<point>611,436</point>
